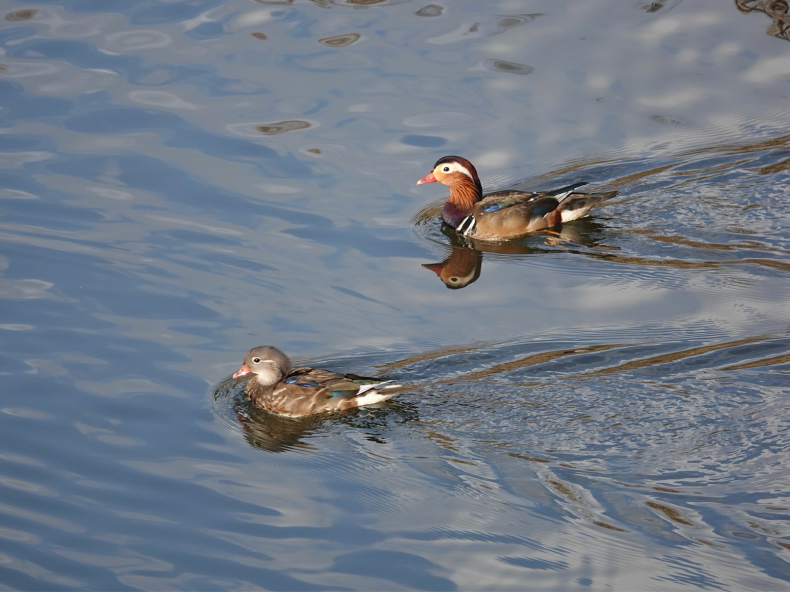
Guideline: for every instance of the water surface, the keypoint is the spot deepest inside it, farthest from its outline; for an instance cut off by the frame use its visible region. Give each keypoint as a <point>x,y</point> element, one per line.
<point>600,406</point>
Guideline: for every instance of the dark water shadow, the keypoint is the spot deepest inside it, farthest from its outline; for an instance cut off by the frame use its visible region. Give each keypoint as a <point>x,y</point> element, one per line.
<point>554,406</point>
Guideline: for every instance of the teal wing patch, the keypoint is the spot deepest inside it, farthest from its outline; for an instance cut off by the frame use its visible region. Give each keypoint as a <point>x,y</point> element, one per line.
<point>347,394</point>
<point>345,386</point>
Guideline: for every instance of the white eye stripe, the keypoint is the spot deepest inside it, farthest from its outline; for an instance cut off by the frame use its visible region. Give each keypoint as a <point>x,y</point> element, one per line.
<point>465,171</point>
<point>455,167</point>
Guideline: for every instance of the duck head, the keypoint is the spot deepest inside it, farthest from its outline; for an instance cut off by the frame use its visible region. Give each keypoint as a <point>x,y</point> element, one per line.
<point>454,171</point>
<point>268,363</point>
<point>465,188</point>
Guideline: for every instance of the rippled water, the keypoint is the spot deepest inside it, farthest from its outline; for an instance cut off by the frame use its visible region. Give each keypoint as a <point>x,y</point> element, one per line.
<point>599,406</point>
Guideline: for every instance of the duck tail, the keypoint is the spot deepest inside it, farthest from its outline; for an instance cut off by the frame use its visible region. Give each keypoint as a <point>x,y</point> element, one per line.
<point>576,201</point>
<point>577,205</point>
<point>376,393</point>
<point>564,192</point>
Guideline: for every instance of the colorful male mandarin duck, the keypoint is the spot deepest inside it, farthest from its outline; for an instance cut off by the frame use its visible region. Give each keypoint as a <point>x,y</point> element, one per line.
<point>279,389</point>
<point>504,214</point>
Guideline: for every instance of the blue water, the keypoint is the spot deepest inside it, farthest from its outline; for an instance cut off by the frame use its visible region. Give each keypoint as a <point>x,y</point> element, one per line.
<point>602,406</point>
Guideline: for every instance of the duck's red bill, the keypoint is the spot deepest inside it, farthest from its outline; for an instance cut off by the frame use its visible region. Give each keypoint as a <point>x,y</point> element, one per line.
<point>429,178</point>
<point>434,267</point>
<point>242,371</point>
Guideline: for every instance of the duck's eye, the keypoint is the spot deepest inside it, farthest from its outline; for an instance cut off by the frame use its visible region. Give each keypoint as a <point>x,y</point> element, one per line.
<point>446,169</point>
<point>256,360</point>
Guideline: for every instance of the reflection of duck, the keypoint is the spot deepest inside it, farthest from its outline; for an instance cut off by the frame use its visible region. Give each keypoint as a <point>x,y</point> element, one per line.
<point>776,9</point>
<point>504,214</point>
<point>276,433</point>
<point>465,262</point>
<point>460,268</point>
<point>304,390</point>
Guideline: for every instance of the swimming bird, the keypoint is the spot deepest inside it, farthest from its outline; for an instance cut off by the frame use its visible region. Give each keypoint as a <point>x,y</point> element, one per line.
<point>278,388</point>
<point>504,214</point>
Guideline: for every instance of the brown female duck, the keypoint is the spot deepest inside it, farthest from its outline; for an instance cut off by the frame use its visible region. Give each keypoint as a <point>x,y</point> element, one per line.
<point>504,214</point>
<point>279,389</point>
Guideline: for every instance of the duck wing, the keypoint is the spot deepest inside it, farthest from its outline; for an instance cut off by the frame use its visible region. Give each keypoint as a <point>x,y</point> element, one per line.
<point>509,216</point>
<point>500,200</point>
<point>329,384</point>
<point>306,390</point>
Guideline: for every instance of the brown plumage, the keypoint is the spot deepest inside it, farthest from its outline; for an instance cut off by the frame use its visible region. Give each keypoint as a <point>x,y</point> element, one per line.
<point>504,214</point>
<point>279,389</point>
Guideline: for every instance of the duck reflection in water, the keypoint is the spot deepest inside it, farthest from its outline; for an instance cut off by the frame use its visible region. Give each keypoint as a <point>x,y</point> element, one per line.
<point>459,269</point>
<point>777,10</point>
<point>465,262</point>
<point>276,433</point>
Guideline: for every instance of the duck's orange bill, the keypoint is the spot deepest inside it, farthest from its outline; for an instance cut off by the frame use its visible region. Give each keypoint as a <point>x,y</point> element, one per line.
<point>242,371</point>
<point>429,178</point>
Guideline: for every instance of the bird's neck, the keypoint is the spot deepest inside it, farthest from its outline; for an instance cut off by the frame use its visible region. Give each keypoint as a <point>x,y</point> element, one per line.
<point>257,392</point>
<point>464,194</point>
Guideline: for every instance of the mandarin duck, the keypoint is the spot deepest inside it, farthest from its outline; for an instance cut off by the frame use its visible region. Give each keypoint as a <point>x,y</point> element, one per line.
<point>278,388</point>
<point>504,214</point>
